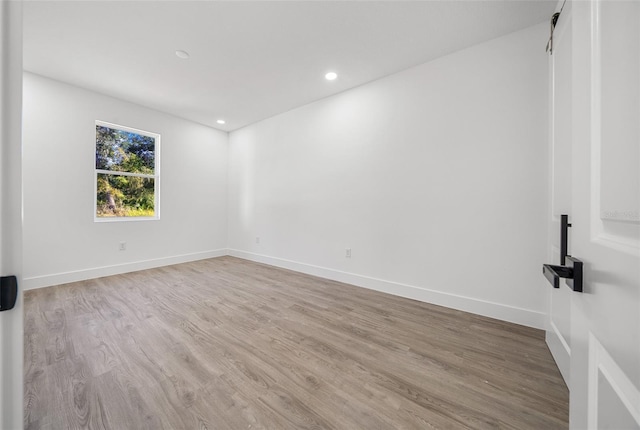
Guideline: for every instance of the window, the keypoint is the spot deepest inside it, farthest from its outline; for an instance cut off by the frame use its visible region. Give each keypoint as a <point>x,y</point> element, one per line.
<point>127,177</point>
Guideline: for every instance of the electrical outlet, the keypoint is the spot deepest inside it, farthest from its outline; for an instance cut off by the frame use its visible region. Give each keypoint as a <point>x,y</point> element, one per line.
<point>123,246</point>
<point>347,252</point>
<point>258,240</point>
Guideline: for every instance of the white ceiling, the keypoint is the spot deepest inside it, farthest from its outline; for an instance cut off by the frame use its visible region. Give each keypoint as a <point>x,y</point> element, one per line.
<point>251,60</point>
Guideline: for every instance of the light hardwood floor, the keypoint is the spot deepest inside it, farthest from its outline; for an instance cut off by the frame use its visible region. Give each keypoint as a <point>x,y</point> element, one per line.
<point>229,344</point>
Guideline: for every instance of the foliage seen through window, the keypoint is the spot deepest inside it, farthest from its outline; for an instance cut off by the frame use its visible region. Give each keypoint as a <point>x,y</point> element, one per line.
<point>125,173</point>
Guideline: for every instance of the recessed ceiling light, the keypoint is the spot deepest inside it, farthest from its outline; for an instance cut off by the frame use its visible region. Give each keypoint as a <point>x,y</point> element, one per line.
<point>331,76</point>
<point>182,54</point>
<point>221,121</point>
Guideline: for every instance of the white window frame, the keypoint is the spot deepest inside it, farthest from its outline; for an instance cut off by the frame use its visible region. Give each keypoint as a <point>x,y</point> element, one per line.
<point>155,176</point>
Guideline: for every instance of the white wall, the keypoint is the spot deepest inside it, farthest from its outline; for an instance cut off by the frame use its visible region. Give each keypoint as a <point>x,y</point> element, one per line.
<point>62,243</point>
<point>435,177</point>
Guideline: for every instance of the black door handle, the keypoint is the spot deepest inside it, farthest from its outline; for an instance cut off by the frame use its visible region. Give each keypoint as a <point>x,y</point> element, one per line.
<point>572,271</point>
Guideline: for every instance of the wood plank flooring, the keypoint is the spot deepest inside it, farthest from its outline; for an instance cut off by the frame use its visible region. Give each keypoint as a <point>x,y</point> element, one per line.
<point>230,344</point>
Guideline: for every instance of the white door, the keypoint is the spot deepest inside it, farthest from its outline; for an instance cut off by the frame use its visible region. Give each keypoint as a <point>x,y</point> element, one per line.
<point>604,374</point>
<point>605,319</point>
<point>11,332</point>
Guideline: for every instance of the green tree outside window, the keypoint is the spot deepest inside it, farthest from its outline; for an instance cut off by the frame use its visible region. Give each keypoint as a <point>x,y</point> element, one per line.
<point>126,177</point>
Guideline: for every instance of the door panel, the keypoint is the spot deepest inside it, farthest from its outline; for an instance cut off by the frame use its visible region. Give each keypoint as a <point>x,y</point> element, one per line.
<point>617,38</point>
<point>616,104</point>
<point>614,400</point>
<point>614,414</point>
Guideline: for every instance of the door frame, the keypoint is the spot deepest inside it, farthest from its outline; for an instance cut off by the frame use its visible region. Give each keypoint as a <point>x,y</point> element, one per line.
<point>559,344</point>
<point>11,321</point>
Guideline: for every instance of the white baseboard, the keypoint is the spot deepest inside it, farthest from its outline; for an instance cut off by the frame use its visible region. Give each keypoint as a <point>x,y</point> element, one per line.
<point>97,272</point>
<point>499,311</point>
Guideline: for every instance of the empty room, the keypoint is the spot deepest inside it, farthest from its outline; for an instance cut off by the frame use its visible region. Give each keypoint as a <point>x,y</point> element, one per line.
<point>320,214</point>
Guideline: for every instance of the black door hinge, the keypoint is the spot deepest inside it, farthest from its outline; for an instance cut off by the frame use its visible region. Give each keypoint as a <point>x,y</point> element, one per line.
<point>8,292</point>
